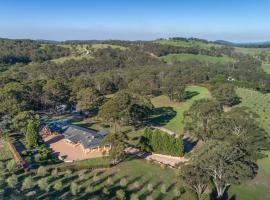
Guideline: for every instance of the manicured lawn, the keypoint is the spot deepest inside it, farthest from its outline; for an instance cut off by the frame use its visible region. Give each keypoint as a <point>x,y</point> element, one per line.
<point>259,187</point>
<point>266,67</point>
<point>172,116</point>
<point>191,57</point>
<point>94,162</point>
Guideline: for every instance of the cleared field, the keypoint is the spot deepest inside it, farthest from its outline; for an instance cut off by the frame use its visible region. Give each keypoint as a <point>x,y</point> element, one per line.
<point>253,51</point>
<point>266,67</point>
<point>259,187</point>
<point>258,103</point>
<point>202,58</point>
<point>189,43</point>
<point>173,115</point>
<point>84,51</point>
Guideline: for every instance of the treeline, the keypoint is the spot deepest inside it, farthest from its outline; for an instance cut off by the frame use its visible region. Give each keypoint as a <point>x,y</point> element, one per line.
<point>159,142</point>
<point>163,50</point>
<point>25,51</point>
<point>48,85</point>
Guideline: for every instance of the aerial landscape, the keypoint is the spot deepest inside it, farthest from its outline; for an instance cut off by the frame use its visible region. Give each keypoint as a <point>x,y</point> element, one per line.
<point>134,100</point>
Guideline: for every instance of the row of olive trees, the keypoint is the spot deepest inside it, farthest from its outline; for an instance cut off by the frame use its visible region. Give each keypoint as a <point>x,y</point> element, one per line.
<point>29,185</point>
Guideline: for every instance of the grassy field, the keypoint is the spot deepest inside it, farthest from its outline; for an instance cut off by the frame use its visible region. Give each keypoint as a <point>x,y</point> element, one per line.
<point>266,67</point>
<point>259,187</point>
<point>189,43</point>
<point>202,58</point>
<point>84,51</point>
<point>174,118</point>
<point>252,51</point>
<point>258,103</point>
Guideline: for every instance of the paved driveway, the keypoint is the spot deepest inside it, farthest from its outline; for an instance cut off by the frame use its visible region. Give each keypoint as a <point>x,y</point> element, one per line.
<point>67,151</point>
<point>168,160</point>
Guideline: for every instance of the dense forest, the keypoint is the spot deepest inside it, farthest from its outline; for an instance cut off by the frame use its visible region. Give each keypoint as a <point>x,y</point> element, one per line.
<point>34,82</point>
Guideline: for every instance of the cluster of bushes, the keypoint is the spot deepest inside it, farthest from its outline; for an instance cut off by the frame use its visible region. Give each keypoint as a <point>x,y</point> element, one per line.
<point>160,142</point>
<point>39,154</point>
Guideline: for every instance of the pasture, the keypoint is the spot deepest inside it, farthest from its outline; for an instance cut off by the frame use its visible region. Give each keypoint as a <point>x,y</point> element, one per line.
<point>266,67</point>
<point>253,51</point>
<point>259,187</point>
<point>170,114</point>
<point>193,57</point>
<point>84,51</point>
<point>189,43</point>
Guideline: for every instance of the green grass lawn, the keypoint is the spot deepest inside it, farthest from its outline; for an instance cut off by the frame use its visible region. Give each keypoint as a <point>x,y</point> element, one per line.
<point>202,58</point>
<point>266,67</point>
<point>176,123</point>
<point>259,187</point>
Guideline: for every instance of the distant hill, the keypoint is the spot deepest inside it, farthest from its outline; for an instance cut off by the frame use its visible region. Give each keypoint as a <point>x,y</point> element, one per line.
<point>265,44</point>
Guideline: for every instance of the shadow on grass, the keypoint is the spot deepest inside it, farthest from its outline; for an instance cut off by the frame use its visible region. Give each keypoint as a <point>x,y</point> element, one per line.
<point>189,144</point>
<point>190,94</point>
<point>162,115</point>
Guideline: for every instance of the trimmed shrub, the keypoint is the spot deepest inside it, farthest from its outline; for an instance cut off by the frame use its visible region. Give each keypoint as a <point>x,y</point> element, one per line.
<point>150,187</point>
<point>109,181</point>
<point>38,157</point>
<point>58,186</point>
<point>89,189</point>
<point>136,185</point>
<point>42,171</point>
<point>54,172</point>
<point>95,178</point>
<point>121,195</point>
<point>43,185</point>
<point>105,191</point>
<point>31,193</point>
<point>68,172</point>
<point>123,182</point>
<point>12,181</point>
<point>12,166</point>
<point>134,197</point>
<point>163,189</point>
<point>28,183</point>
<point>74,188</point>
